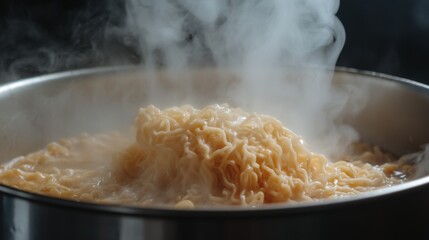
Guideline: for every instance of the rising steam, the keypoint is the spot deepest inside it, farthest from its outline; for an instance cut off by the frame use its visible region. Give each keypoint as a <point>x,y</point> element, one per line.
<point>237,34</point>
<point>283,50</point>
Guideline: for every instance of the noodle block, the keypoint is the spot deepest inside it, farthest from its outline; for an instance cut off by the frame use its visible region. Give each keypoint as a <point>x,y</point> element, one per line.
<point>187,158</point>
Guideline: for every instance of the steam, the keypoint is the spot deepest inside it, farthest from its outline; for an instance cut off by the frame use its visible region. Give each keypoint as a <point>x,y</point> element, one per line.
<point>237,34</point>
<point>421,159</point>
<point>423,169</point>
<point>283,50</point>
<point>34,42</point>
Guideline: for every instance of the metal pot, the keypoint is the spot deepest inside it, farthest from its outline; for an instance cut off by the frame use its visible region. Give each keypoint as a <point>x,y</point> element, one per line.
<point>42,109</point>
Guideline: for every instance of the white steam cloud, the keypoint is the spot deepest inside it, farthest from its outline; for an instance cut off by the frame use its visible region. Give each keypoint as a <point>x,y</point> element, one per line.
<point>284,51</point>
<point>237,34</point>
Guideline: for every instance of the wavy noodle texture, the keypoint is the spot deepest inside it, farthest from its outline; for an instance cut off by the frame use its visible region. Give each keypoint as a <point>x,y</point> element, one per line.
<point>187,157</point>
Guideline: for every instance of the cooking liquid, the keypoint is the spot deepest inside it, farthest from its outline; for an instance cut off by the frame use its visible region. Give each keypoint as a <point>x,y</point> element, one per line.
<point>97,169</point>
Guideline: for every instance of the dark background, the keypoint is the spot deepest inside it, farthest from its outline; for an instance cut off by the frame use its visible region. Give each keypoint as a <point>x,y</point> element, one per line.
<point>41,36</point>
<point>389,36</point>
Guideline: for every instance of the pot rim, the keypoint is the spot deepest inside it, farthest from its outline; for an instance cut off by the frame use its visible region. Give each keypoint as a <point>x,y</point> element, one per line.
<point>214,212</point>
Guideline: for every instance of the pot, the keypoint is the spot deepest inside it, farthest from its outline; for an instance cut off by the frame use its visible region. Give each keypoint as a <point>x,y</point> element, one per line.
<point>43,109</point>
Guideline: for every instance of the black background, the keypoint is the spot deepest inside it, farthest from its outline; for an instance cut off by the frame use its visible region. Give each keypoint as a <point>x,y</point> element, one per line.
<point>388,36</point>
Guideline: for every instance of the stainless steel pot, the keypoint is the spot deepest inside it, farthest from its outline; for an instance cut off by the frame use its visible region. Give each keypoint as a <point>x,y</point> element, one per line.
<point>36,111</point>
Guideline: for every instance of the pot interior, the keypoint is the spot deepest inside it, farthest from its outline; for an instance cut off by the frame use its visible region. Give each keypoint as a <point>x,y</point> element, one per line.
<point>36,111</point>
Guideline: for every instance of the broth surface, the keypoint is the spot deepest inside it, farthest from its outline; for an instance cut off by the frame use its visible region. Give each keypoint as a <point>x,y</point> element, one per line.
<point>186,157</point>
